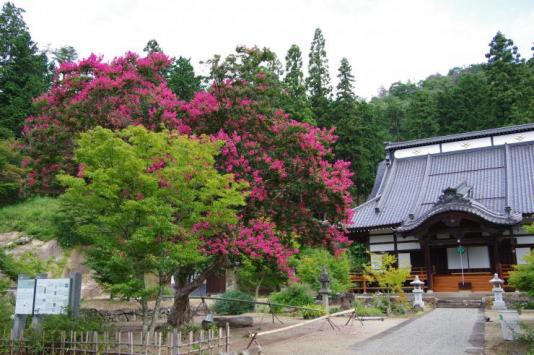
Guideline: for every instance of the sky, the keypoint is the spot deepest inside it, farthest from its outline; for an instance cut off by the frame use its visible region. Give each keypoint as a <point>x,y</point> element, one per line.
<point>385,41</point>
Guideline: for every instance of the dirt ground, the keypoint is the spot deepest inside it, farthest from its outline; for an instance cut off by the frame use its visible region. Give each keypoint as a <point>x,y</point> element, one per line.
<point>315,338</point>
<point>495,345</point>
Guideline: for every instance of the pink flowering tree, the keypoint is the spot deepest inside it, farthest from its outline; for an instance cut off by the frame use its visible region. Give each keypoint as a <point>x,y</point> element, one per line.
<point>298,193</point>
<point>129,90</point>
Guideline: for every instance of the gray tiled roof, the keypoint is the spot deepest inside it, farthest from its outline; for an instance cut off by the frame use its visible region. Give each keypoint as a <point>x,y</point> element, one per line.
<point>499,176</point>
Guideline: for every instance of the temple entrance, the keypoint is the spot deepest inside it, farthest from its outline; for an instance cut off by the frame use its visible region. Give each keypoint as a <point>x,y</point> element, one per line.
<point>461,252</point>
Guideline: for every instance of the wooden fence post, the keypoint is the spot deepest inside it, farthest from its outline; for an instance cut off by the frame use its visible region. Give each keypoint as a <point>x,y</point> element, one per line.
<point>227,340</point>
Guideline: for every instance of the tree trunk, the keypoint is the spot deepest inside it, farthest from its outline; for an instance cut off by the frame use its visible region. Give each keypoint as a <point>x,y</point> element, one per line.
<point>183,286</point>
<point>155,312</point>
<point>257,290</point>
<point>180,311</point>
<point>144,311</point>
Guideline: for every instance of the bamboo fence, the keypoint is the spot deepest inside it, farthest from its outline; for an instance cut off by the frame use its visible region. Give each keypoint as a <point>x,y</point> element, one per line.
<point>202,342</point>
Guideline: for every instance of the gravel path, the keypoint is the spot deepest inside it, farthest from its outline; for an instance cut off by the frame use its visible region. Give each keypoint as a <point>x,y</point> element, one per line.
<point>447,331</point>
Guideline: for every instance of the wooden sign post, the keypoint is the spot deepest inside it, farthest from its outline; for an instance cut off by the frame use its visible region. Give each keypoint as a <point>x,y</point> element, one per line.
<point>42,296</point>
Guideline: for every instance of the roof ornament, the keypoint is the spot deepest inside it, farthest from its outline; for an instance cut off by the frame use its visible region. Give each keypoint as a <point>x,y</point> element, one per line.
<point>461,194</point>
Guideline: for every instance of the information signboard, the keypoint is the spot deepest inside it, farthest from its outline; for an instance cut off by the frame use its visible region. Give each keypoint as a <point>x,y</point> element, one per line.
<point>51,296</point>
<point>24,297</point>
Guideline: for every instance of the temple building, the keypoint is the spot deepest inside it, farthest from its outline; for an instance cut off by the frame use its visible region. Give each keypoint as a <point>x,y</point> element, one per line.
<point>453,208</point>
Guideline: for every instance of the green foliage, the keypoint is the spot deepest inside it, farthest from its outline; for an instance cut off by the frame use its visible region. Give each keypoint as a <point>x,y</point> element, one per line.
<point>180,75</point>
<point>523,277</point>
<point>54,325</point>
<point>234,307</point>
<point>387,275</point>
<point>310,265</point>
<point>152,46</point>
<point>27,263</point>
<point>182,80</point>
<point>313,311</point>
<point>258,67</point>
<point>65,54</point>
<point>526,335</point>
<point>294,295</point>
<point>137,200</point>
<point>358,142</point>
<point>318,80</point>
<point>35,217</point>
<point>254,276</point>
<point>345,87</point>
<point>23,69</point>
<point>367,311</point>
<point>358,256</point>
<point>421,116</point>
<point>296,102</point>
<point>10,171</point>
<point>6,307</point>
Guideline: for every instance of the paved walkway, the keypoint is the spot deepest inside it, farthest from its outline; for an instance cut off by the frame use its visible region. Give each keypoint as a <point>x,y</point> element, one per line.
<point>447,331</point>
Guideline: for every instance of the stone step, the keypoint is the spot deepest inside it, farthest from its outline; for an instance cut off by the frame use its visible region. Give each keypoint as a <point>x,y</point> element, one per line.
<point>458,303</point>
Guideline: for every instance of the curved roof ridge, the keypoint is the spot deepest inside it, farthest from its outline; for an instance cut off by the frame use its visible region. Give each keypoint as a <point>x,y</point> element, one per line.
<point>451,200</point>
<point>460,136</point>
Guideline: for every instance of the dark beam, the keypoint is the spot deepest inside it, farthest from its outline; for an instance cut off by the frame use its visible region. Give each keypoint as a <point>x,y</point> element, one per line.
<point>428,265</point>
<point>496,256</point>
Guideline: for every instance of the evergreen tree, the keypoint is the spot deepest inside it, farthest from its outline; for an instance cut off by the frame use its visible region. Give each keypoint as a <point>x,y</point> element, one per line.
<point>318,81</point>
<point>65,54</point>
<point>182,80</point>
<point>422,116</point>
<point>359,142</point>
<point>180,75</point>
<point>152,46</point>
<point>466,105</point>
<point>345,87</point>
<point>294,79</point>
<point>256,66</point>
<point>510,83</point>
<point>502,50</point>
<point>296,103</point>
<point>359,138</point>
<point>24,71</point>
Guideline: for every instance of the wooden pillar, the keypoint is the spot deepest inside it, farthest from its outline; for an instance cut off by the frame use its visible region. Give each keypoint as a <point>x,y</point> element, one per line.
<point>428,265</point>
<point>496,256</point>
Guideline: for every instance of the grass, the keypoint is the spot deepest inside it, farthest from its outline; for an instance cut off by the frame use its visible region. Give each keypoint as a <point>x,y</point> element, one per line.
<point>34,217</point>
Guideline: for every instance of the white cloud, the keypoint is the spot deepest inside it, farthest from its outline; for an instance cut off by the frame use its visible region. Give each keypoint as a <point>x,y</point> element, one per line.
<point>385,41</point>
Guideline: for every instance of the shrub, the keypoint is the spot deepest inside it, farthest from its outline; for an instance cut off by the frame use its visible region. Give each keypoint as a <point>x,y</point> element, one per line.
<point>389,278</point>
<point>6,307</point>
<point>54,325</point>
<point>363,311</point>
<point>382,303</point>
<point>34,217</point>
<point>27,263</point>
<point>526,335</point>
<point>234,307</point>
<point>10,171</point>
<point>358,256</point>
<point>312,311</point>
<point>523,277</point>
<point>310,265</point>
<point>255,276</point>
<point>293,295</point>
<point>400,307</point>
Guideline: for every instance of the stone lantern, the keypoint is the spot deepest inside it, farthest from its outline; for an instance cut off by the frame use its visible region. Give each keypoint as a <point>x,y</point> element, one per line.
<point>324,279</point>
<point>498,302</point>
<point>418,292</point>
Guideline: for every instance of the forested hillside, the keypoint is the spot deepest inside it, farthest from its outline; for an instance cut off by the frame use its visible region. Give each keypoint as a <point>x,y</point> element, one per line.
<point>496,92</point>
